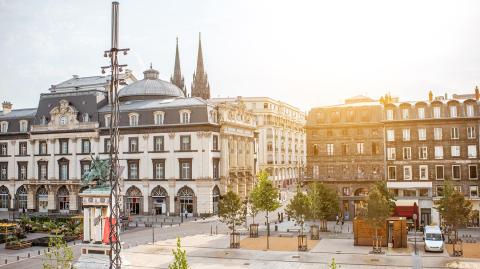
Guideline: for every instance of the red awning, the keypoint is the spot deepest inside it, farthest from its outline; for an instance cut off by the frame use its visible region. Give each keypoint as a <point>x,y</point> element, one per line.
<point>406,211</point>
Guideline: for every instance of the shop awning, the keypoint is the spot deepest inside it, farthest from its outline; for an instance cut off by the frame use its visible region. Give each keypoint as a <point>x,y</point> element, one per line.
<point>406,211</point>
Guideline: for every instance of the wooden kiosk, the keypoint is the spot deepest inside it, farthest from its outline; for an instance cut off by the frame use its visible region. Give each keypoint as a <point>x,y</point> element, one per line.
<point>393,234</point>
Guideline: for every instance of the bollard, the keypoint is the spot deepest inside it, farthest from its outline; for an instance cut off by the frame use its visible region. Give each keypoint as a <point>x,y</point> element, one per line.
<point>6,261</point>
<point>136,223</point>
<point>28,256</point>
<point>18,258</point>
<point>276,228</point>
<point>48,249</point>
<point>211,229</point>
<point>39,252</point>
<point>161,225</point>
<point>171,224</point>
<point>216,229</point>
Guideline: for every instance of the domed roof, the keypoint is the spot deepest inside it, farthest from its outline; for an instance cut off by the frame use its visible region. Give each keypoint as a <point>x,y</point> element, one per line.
<point>150,87</point>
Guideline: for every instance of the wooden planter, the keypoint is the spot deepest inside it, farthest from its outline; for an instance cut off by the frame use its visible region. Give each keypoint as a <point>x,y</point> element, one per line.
<point>302,242</point>
<point>314,232</point>
<point>253,230</point>
<point>18,245</point>
<point>234,240</point>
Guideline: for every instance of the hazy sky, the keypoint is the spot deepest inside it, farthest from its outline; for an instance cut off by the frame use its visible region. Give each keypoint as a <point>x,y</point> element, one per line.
<point>306,53</point>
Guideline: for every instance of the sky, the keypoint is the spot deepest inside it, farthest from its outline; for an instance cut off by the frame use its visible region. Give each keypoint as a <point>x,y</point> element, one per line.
<point>305,53</point>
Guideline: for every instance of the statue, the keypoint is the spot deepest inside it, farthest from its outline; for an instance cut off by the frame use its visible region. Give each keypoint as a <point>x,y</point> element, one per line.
<point>98,173</point>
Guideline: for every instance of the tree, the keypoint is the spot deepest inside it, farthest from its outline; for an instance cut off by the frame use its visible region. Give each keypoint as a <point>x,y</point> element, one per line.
<point>231,210</point>
<point>454,208</point>
<point>266,197</point>
<point>252,209</point>
<point>378,210</point>
<point>299,208</point>
<point>180,258</point>
<point>324,202</point>
<point>60,255</point>
<point>333,264</point>
<point>382,187</point>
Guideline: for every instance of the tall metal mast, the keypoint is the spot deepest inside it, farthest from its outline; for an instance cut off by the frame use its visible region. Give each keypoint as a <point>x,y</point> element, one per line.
<point>115,169</point>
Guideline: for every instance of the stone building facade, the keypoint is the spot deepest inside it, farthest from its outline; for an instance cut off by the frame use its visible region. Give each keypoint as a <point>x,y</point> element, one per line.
<point>414,146</point>
<point>179,153</point>
<point>281,148</point>
<point>345,149</point>
<point>429,143</point>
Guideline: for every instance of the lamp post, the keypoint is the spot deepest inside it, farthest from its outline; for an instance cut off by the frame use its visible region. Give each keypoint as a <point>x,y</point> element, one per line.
<point>415,227</point>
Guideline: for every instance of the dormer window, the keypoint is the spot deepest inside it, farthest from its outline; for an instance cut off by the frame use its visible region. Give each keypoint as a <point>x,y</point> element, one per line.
<point>43,120</point>
<point>185,116</point>
<point>23,126</point>
<point>108,120</point>
<point>4,127</point>
<point>62,120</point>
<point>453,111</point>
<point>470,111</point>
<point>133,119</point>
<point>158,117</point>
<point>436,112</point>
<point>86,117</point>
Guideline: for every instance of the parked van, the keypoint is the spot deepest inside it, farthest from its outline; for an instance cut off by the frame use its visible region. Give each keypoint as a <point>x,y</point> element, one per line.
<point>433,239</point>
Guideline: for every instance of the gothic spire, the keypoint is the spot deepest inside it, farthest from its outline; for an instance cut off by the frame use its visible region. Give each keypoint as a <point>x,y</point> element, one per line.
<point>200,85</point>
<point>177,78</point>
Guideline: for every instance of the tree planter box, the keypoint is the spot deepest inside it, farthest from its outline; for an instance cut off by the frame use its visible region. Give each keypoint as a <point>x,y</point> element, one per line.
<point>18,245</point>
<point>314,232</point>
<point>302,242</point>
<point>253,230</point>
<point>235,240</point>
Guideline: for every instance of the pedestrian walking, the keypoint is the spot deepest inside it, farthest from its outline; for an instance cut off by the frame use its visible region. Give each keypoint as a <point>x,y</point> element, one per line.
<point>336,218</point>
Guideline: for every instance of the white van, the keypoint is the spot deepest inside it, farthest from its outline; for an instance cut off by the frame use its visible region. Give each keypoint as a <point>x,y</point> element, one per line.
<point>433,239</point>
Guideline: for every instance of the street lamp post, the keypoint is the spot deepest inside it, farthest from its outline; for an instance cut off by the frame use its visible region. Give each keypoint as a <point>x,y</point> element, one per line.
<point>415,228</point>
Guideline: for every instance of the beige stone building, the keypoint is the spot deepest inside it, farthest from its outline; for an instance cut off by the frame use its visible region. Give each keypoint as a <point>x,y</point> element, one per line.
<point>281,142</point>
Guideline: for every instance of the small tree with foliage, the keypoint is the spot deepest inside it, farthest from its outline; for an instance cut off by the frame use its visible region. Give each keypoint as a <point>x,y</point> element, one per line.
<point>60,255</point>
<point>378,210</point>
<point>454,208</point>
<point>324,203</point>
<point>266,197</point>
<point>299,208</point>
<point>179,258</point>
<point>333,264</point>
<point>231,210</point>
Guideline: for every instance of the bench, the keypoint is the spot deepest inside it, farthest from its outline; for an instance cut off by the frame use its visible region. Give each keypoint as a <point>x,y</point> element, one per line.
<point>285,235</point>
<point>293,230</point>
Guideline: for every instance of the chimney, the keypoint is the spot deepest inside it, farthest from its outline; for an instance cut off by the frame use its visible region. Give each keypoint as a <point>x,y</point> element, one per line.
<point>75,76</point>
<point>7,107</point>
<point>477,93</point>
<point>430,96</point>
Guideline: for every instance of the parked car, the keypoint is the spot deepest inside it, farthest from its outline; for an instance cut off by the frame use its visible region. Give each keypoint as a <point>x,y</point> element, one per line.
<point>433,239</point>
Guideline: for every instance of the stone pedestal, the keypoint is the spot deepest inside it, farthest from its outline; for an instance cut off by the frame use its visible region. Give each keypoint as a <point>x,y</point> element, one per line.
<point>96,211</point>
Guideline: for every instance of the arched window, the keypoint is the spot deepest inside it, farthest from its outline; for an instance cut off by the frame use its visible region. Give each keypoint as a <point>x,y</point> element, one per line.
<point>133,117</point>
<point>43,120</point>
<point>159,200</point>
<point>134,196</point>
<point>22,198</point>
<point>4,126</point>
<point>185,197</point>
<point>23,126</point>
<point>86,117</point>
<point>63,120</point>
<point>158,117</point>
<point>184,116</point>
<point>4,197</point>
<point>63,199</point>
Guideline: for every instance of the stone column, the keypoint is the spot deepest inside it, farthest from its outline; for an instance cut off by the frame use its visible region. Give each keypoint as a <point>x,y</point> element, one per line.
<point>52,198</point>
<point>74,163</point>
<point>30,197</point>
<point>52,166</point>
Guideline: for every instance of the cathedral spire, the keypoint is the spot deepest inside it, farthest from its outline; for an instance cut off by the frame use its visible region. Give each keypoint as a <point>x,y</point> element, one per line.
<point>200,85</point>
<point>177,78</point>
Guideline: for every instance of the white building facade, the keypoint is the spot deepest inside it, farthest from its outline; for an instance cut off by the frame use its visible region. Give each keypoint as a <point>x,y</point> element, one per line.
<point>281,147</point>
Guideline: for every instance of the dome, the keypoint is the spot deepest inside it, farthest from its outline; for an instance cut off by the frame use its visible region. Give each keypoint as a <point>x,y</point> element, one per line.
<point>150,87</point>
